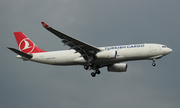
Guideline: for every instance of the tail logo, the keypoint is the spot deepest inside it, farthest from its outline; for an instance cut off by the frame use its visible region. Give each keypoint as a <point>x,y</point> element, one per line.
<point>26,45</point>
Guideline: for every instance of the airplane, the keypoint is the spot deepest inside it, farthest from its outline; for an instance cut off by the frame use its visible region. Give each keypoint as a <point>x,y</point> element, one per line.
<point>89,56</point>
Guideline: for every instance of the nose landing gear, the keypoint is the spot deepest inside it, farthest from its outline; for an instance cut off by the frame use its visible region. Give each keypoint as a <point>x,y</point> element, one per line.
<point>154,64</point>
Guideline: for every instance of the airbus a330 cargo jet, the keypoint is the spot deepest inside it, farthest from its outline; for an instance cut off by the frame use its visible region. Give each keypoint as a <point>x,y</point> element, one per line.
<point>89,56</point>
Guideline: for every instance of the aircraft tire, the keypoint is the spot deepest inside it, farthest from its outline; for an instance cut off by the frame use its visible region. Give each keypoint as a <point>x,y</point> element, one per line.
<point>86,67</point>
<point>154,64</point>
<point>91,64</point>
<point>93,74</point>
<point>98,72</point>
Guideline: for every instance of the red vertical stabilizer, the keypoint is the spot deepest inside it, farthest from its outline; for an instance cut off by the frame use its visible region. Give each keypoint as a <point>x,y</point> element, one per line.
<point>25,44</point>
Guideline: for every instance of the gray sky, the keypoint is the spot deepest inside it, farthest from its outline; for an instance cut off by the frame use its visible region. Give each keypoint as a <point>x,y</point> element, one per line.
<point>100,23</point>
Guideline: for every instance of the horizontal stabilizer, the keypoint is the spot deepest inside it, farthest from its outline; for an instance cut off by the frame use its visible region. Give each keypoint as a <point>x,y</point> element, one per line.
<point>20,53</point>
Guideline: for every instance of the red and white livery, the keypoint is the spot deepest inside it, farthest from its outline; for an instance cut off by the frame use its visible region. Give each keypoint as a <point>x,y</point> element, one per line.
<point>89,56</point>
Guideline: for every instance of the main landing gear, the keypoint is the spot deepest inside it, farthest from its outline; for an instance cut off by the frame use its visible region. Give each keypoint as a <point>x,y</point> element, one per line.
<point>93,74</point>
<point>89,67</point>
<point>154,64</point>
<point>86,67</point>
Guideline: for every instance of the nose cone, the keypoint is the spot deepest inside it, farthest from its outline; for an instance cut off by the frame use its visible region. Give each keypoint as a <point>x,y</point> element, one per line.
<point>165,51</point>
<point>169,50</point>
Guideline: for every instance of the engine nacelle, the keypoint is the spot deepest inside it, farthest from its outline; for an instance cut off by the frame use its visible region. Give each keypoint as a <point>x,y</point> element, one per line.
<point>107,54</point>
<point>118,67</point>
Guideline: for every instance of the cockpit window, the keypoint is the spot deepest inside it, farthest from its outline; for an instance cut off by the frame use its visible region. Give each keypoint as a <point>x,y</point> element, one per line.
<point>164,46</point>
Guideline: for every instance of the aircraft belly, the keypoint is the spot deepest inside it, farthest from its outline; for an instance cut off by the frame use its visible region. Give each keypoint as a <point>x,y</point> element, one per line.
<point>108,61</point>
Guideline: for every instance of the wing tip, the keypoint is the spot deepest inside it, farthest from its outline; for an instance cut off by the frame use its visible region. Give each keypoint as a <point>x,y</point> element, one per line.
<point>45,25</point>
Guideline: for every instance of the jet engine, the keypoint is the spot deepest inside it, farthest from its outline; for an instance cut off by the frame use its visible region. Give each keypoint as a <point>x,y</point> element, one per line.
<point>111,54</point>
<point>118,67</point>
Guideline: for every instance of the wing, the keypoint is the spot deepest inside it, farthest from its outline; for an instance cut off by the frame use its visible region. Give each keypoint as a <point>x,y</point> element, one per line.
<point>84,49</point>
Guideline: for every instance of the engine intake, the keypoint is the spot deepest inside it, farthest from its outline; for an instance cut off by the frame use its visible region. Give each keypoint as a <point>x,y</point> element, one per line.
<point>118,67</point>
<point>111,54</point>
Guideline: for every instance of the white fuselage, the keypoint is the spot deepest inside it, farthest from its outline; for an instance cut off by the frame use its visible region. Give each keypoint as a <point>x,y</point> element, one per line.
<point>124,53</point>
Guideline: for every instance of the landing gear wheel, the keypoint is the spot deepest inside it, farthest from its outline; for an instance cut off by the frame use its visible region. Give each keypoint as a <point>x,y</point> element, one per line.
<point>90,64</point>
<point>86,67</point>
<point>93,74</point>
<point>98,72</point>
<point>154,64</point>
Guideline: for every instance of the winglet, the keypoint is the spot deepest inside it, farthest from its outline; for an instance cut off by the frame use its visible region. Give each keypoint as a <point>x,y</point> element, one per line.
<point>44,25</point>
